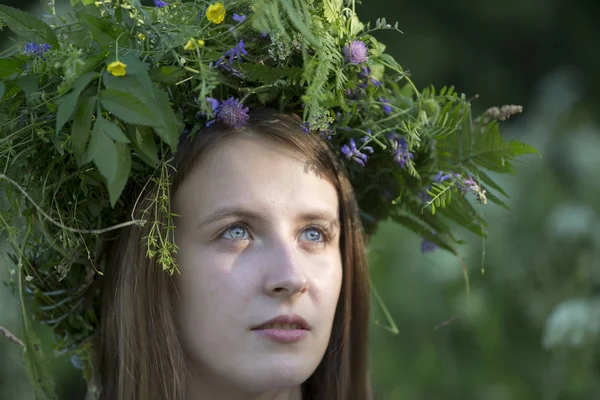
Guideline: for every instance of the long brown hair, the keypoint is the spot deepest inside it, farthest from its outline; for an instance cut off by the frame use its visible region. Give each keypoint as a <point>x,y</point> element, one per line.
<point>139,353</point>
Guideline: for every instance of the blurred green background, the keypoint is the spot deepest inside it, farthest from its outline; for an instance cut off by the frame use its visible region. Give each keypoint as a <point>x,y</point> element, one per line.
<point>530,327</point>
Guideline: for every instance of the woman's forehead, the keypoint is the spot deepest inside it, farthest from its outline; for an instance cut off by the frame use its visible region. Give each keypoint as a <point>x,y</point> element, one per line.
<point>258,174</point>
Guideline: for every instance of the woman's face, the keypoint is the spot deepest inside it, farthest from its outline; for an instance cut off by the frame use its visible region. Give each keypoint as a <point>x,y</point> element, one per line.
<point>258,238</point>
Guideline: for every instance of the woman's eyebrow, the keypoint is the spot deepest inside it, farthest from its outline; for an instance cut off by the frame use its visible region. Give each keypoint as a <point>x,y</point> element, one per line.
<point>240,212</point>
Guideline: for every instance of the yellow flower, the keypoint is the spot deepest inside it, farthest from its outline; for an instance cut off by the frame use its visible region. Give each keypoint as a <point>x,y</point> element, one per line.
<point>141,36</point>
<point>216,13</point>
<point>190,45</point>
<point>117,68</point>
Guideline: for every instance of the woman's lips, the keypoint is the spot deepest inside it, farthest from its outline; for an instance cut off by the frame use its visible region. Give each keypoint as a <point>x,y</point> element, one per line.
<point>282,335</point>
<point>284,328</point>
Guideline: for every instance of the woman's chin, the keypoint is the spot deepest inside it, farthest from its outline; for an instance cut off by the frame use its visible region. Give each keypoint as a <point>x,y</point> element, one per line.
<point>277,375</point>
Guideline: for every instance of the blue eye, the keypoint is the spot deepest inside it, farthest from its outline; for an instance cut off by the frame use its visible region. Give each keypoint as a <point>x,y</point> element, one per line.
<point>313,235</point>
<point>236,232</point>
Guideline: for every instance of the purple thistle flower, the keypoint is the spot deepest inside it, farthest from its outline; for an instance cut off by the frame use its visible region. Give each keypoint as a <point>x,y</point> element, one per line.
<point>160,3</point>
<point>238,51</point>
<point>353,153</point>
<point>387,108</point>
<point>239,18</point>
<point>233,113</point>
<point>356,52</point>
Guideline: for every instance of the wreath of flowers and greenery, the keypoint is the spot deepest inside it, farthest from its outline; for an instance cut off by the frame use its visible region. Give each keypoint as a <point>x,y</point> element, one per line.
<point>93,102</point>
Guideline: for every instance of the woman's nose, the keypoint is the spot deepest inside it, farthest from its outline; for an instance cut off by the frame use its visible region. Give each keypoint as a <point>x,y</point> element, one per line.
<point>285,272</point>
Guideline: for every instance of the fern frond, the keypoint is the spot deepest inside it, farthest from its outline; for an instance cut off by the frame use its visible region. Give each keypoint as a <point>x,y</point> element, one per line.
<point>269,75</point>
<point>272,15</point>
<point>462,213</point>
<point>441,195</point>
<point>422,229</point>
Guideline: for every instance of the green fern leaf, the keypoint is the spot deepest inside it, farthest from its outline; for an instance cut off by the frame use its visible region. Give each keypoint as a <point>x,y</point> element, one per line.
<point>422,230</point>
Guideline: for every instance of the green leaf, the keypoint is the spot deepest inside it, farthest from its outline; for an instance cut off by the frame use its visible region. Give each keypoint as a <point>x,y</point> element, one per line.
<point>156,111</point>
<point>114,132</point>
<point>27,26</point>
<point>332,9</point>
<point>123,158</point>
<point>104,32</point>
<point>2,90</point>
<point>67,106</point>
<point>142,141</point>
<point>170,131</point>
<point>80,130</point>
<point>29,84</point>
<point>9,69</point>
<point>356,26</point>
<point>36,365</point>
<point>166,74</point>
<point>127,107</point>
<point>103,151</point>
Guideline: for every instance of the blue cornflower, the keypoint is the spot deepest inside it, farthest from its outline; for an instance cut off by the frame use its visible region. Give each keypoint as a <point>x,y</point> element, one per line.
<point>387,108</point>
<point>353,153</point>
<point>233,113</point>
<point>31,49</point>
<point>239,18</point>
<point>356,52</point>
<point>238,51</point>
<point>160,3</point>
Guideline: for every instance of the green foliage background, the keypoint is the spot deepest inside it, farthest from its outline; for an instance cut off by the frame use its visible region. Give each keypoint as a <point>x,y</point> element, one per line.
<point>530,328</point>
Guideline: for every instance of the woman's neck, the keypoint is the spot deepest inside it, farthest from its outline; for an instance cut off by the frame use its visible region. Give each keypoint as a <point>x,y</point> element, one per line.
<point>199,390</point>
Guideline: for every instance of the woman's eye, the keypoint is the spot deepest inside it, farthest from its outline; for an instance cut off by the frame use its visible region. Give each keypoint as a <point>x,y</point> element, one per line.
<point>313,235</point>
<point>236,232</point>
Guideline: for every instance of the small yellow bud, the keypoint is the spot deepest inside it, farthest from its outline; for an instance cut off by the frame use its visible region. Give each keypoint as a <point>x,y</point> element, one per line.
<point>190,45</point>
<point>141,36</point>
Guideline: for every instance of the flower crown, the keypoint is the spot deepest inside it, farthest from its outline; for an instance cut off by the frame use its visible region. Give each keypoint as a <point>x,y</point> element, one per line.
<point>96,99</point>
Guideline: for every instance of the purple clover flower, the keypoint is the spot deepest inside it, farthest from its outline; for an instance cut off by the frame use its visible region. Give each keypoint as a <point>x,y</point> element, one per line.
<point>356,52</point>
<point>353,153</point>
<point>230,112</point>
<point>238,51</point>
<point>160,3</point>
<point>239,18</point>
<point>34,49</point>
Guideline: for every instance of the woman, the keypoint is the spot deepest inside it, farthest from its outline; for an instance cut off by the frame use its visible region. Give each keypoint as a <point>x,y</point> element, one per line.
<point>95,107</point>
<point>267,228</point>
